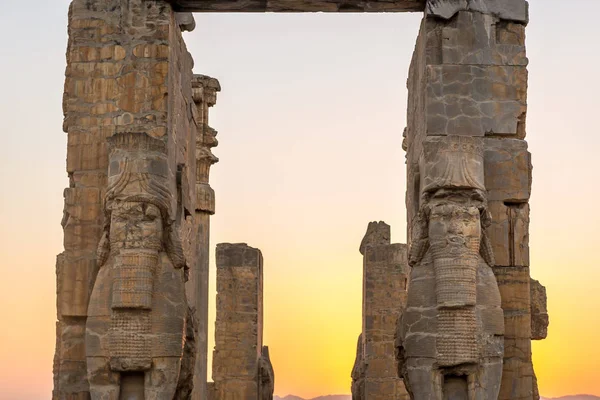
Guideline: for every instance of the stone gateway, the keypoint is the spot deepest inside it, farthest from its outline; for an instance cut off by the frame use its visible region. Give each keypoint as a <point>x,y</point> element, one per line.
<point>132,282</point>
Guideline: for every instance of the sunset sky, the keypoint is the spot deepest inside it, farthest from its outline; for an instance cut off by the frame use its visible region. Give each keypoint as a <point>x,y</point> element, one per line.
<point>310,125</point>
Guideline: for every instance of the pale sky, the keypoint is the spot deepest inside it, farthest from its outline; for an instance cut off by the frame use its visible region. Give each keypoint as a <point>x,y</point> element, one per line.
<point>310,125</point>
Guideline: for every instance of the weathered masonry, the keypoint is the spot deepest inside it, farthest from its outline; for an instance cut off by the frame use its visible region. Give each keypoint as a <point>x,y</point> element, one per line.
<point>132,281</point>
<point>241,365</point>
<point>466,153</point>
<point>138,151</point>
<point>385,275</point>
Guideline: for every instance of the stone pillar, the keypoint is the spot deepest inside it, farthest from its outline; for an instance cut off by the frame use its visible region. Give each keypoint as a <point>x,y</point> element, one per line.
<point>468,77</point>
<point>204,90</point>
<point>239,324</point>
<point>385,270</point>
<point>128,71</point>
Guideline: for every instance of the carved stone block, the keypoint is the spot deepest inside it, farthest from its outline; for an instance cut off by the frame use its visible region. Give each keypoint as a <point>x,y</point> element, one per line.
<point>451,161</point>
<point>507,170</point>
<point>513,10</point>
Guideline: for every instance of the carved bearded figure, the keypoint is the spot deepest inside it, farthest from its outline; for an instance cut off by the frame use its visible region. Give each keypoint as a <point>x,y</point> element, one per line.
<point>136,316</point>
<point>451,334</point>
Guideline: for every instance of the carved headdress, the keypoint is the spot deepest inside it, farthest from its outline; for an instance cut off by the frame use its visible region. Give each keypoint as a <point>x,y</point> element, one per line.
<point>453,163</point>
<point>139,172</point>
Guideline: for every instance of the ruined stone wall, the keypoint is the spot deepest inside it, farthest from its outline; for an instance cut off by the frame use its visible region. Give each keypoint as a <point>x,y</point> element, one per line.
<point>385,269</point>
<point>238,327</point>
<point>468,77</point>
<point>127,71</point>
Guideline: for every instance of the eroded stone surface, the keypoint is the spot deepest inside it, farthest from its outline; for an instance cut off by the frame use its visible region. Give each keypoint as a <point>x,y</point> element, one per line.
<point>451,332</point>
<point>266,376</point>
<point>241,367</point>
<point>128,71</point>
<point>468,77</point>
<point>474,100</point>
<point>512,10</point>
<point>539,311</point>
<point>385,271</point>
<point>137,312</point>
<point>358,372</point>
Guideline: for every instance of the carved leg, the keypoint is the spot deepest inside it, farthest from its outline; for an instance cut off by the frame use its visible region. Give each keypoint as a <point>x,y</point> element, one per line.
<point>104,383</point>
<point>487,385</point>
<point>161,380</point>
<point>425,380</point>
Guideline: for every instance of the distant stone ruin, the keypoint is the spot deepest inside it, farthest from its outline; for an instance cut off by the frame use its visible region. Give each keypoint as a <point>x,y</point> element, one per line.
<point>132,282</point>
<point>385,276</point>
<point>241,365</point>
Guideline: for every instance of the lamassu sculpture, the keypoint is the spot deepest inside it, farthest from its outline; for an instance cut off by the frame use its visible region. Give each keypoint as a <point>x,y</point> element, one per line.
<point>137,313</point>
<point>450,341</point>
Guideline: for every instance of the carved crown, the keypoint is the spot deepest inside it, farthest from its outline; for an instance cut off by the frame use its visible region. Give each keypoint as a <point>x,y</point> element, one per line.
<point>138,171</point>
<point>452,162</point>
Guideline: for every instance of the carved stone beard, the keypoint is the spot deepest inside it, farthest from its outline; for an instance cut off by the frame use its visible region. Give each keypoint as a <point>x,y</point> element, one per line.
<point>455,234</point>
<point>136,239</point>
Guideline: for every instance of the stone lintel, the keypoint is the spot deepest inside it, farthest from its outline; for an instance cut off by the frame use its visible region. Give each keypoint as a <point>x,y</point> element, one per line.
<point>511,10</point>
<point>298,5</point>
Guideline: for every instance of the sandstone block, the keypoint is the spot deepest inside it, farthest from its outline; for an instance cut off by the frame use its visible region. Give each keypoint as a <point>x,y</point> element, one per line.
<point>473,38</point>
<point>507,170</point>
<point>518,348</point>
<point>539,311</point>
<point>451,162</point>
<point>474,100</point>
<point>517,380</point>
<point>298,6</point>
<point>238,327</point>
<point>205,198</point>
<point>74,285</point>
<point>513,10</point>
<point>514,288</point>
<point>509,233</point>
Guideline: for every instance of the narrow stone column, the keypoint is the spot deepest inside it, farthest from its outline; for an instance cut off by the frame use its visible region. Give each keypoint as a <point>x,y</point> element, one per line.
<point>204,91</point>
<point>239,324</point>
<point>468,77</point>
<point>385,271</point>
